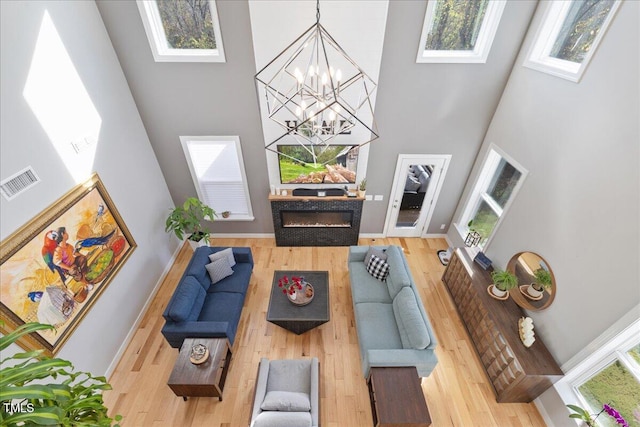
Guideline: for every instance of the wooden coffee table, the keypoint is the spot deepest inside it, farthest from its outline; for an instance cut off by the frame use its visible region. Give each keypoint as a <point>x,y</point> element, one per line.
<point>397,398</point>
<point>206,379</point>
<point>300,319</point>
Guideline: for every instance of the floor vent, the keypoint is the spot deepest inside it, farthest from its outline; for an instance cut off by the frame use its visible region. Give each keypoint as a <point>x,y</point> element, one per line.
<point>18,183</point>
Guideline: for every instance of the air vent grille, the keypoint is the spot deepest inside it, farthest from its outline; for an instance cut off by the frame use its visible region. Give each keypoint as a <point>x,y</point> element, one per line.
<point>19,183</point>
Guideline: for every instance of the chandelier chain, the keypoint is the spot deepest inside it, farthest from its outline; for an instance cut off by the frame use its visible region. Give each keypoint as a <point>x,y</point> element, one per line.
<point>317,11</point>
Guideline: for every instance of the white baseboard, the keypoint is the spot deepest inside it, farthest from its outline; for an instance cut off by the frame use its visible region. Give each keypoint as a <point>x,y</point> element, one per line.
<point>543,412</point>
<point>134,327</point>
<point>243,236</point>
<point>371,236</point>
<point>435,236</point>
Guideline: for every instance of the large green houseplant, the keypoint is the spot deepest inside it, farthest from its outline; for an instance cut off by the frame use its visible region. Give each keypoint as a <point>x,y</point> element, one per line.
<point>503,281</point>
<point>186,220</point>
<point>36,389</point>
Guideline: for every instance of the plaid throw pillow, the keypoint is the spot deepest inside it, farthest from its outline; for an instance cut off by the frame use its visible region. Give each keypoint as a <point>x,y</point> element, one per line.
<point>378,268</point>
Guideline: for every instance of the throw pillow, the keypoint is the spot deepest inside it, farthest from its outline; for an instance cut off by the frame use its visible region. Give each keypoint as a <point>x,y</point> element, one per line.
<point>218,270</point>
<point>380,253</point>
<point>286,401</point>
<point>225,253</point>
<point>378,268</point>
<point>282,419</point>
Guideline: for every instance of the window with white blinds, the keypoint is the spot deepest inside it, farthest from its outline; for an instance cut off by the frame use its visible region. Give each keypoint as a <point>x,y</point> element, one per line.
<point>217,169</point>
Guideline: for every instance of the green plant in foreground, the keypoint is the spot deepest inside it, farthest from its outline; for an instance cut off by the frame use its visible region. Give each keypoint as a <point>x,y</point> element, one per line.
<point>363,184</point>
<point>187,220</point>
<point>28,399</point>
<point>504,280</point>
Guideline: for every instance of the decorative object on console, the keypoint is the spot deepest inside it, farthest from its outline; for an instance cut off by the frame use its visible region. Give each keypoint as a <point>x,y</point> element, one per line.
<point>503,281</point>
<point>482,260</point>
<point>199,354</point>
<point>186,221</point>
<point>84,229</point>
<point>472,239</point>
<point>536,282</point>
<point>226,214</point>
<point>525,330</point>
<point>445,256</point>
<point>313,100</point>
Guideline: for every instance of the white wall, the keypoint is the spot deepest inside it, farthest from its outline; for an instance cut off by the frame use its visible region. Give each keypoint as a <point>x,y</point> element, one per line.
<point>579,206</point>
<point>124,160</point>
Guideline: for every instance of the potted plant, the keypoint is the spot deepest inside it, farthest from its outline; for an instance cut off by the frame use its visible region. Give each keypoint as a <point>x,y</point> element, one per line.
<point>503,281</point>
<point>36,389</point>
<point>186,222</point>
<point>543,281</point>
<point>226,214</point>
<point>362,187</point>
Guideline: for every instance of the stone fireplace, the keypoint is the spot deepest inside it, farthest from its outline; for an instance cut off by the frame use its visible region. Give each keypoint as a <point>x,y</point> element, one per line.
<point>316,221</point>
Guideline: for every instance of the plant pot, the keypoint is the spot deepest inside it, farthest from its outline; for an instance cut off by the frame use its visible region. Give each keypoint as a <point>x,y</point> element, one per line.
<point>361,194</point>
<point>533,292</point>
<point>195,245</point>
<point>497,293</point>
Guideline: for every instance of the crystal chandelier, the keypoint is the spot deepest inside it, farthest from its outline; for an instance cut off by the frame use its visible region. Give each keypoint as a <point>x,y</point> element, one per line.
<point>316,93</point>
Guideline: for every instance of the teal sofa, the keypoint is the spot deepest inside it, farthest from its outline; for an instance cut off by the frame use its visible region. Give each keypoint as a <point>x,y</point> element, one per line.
<point>392,324</point>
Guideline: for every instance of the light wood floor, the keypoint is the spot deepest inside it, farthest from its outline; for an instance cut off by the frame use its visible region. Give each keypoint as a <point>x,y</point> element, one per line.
<point>457,392</point>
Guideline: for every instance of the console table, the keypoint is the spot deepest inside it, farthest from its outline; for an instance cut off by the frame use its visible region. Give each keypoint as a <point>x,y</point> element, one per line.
<point>517,373</point>
<point>397,398</point>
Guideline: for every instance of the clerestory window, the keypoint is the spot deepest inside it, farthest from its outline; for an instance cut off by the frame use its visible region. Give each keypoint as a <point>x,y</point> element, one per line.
<point>459,30</point>
<point>182,30</point>
<point>569,36</point>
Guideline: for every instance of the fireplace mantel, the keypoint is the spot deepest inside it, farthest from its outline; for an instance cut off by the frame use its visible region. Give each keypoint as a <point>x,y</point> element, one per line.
<point>343,212</point>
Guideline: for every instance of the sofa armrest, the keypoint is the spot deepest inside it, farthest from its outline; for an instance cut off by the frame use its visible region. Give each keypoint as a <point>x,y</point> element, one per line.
<point>178,331</point>
<point>243,255</point>
<point>261,387</point>
<point>424,360</point>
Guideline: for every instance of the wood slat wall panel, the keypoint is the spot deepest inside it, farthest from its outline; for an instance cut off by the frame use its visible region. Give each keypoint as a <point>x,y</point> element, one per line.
<point>457,392</point>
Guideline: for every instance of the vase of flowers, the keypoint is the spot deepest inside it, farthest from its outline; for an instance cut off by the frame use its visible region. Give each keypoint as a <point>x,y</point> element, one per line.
<point>290,286</point>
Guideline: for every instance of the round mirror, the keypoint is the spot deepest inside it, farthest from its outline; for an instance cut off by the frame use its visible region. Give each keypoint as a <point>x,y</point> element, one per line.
<point>536,284</point>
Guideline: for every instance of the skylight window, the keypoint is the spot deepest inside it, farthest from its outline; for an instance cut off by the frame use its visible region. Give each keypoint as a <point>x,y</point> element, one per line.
<point>182,31</point>
<point>459,30</point>
<point>569,35</point>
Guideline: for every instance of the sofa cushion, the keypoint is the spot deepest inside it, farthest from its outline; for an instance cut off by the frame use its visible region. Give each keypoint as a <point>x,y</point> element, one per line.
<point>379,252</point>
<point>290,375</point>
<point>222,307</point>
<point>219,269</point>
<point>412,183</point>
<point>287,401</point>
<point>378,268</point>
<point>187,300</point>
<point>282,419</point>
<point>413,330</point>
<point>225,253</point>
<point>398,277</point>
<point>237,282</point>
<point>377,326</point>
<point>365,288</point>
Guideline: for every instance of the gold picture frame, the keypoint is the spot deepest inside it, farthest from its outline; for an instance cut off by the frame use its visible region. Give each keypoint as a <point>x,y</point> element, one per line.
<point>55,267</point>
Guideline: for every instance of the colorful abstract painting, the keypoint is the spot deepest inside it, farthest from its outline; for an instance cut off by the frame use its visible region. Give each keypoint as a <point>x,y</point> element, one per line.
<point>55,267</point>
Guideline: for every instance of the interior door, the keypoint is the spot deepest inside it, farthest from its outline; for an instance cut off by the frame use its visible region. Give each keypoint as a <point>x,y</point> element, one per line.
<point>416,186</point>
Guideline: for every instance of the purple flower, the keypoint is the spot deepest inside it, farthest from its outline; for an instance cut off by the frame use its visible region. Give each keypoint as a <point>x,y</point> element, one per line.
<point>615,414</point>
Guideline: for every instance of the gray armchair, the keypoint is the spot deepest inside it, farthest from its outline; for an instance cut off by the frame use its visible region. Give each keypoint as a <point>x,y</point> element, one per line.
<point>286,394</point>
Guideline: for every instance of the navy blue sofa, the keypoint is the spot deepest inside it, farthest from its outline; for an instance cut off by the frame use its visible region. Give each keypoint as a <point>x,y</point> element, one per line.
<point>199,309</point>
